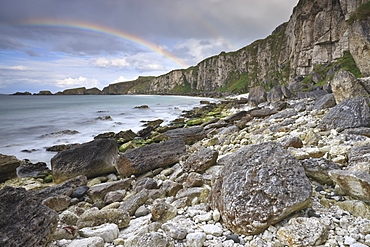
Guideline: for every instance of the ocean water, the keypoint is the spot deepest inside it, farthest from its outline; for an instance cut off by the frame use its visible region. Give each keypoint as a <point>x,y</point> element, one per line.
<point>30,124</point>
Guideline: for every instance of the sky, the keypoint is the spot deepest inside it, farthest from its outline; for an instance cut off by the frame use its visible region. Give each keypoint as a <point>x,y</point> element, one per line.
<point>56,45</point>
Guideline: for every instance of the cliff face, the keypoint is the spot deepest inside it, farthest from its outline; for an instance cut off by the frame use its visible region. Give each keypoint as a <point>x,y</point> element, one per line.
<point>318,32</point>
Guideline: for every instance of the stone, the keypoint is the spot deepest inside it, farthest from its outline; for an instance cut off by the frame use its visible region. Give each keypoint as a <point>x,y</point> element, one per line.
<point>355,184</point>
<point>163,212</point>
<point>304,232</point>
<point>345,85</point>
<point>318,169</point>
<point>195,239</point>
<point>351,113</point>
<point>24,220</point>
<point>201,160</point>
<point>189,193</point>
<point>114,196</point>
<point>145,183</point>
<point>355,207</point>
<point>69,218</point>
<point>150,239</point>
<point>364,131</point>
<point>328,101</point>
<point>278,93</point>
<point>189,135</point>
<point>99,191</point>
<point>261,113</point>
<point>292,141</point>
<point>87,242</point>
<point>8,166</point>
<point>235,117</point>
<point>257,95</point>
<point>124,136</point>
<point>27,169</point>
<point>288,113</point>
<point>142,211</point>
<point>211,229</point>
<point>150,157</point>
<point>66,188</point>
<point>96,217</point>
<point>171,188</point>
<point>91,159</point>
<point>312,138</point>
<point>108,232</point>
<point>260,185</point>
<point>359,154</point>
<point>194,180</point>
<point>80,191</point>
<point>175,231</point>
<point>131,204</point>
<point>57,203</point>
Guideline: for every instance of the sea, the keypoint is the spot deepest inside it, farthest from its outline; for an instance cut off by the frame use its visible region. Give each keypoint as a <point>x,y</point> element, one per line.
<point>31,123</point>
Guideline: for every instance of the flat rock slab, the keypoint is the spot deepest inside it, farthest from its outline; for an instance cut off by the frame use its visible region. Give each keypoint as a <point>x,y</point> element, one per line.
<point>24,220</point>
<point>146,158</point>
<point>91,159</point>
<point>189,135</point>
<point>259,185</point>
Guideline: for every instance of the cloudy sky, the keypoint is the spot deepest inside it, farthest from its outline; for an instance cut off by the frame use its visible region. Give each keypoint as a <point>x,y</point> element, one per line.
<point>54,45</point>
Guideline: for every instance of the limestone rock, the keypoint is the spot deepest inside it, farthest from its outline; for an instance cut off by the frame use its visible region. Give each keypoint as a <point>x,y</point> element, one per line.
<point>87,242</point>
<point>8,166</point>
<point>195,239</point>
<point>131,204</point>
<point>108,232</point>
<point>304,232</point>
<point>96,217</point>
<point>345,85</point>
<point>350,113</point>
<point>142,159</point>
<point>91,159</point>
<point>359,39</point>
<point>201,160</point>
<point>24,220</point>
<point>260,185</point>
<point>189,135</point>
<point>151,239</point>
<point>318,169</point>
<point>355,207</point>
<point>211,229</point>
<point>98,192</point>
<point>163,212</point>
<point>175,231</point>
<point>355,184</point>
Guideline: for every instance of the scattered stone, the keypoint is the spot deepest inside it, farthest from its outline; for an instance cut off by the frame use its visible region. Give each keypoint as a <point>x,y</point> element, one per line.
<point>260,185</point>
<point>171,188</point>
<point>145,183</point>
<point>212,230</point>
<point>114,196</point>
<point>80,191</point>
<point>175,231</point>
<point>96,217</point>
<point>201,160</point>
<point>107,231</point>
<point>139,160</point>
<point>151,239</point>
<point>66,188</point>
<point>8,166</point>
<point>142,211</point>
<point>91,159</point>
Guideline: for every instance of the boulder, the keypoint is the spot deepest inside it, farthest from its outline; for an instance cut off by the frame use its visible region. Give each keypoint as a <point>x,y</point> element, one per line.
<point>351,113</point>
<point>236,116</point>
<point>125,136</point>
<point>24,220</point>
<point>98,192</point>
<point>91,159</point>
<point>259,185</point>
<point>353,183</point>
<point>345,85</point>
<point>95,217</point>
<point>257,95</point>
<point>189,135</point>
<point>145,158</point>
<point>292,141</point>
<point>278,93</point>
<point>363,131</point>
<point>201,160</point>
<point>8,166</point>
<point>359,155</point>
<point>328,101</point>
<point>57,203</point>
<point>265,112</point>
<point>316,95</point>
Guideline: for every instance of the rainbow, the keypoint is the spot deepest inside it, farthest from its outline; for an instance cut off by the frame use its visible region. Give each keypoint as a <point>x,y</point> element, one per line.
<point>103,30</point>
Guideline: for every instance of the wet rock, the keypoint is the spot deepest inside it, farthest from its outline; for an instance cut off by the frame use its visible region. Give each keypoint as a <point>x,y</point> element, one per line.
<point>24,220</point>
<point>98,192</point>
<point>318,169</point>
<point>108,232</point>
<point>163,212</point>
<point>8,166</point>
<point>304,232</point>
<point>134,202</point>
<point>91,159</point>
<point>96,217</point>
<point>328,101</point>
<point>140,160</point>
<point>60,133</point>
<point>125,136</point>
<point>189,135</point>
<point>27,169</point>
<point>260,185</point>
<point>351,113</point>
<point>201,160</point>
<point>62,147</point>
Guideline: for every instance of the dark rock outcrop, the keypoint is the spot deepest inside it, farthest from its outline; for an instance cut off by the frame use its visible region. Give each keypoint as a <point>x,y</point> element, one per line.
<point>260,185</point>
<point>91,159</point>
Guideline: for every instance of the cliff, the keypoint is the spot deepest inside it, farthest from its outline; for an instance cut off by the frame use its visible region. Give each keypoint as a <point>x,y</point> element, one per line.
<point>319,32</point>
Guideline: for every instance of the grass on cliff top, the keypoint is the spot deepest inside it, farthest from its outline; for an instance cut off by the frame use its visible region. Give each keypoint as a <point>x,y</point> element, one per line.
<point>361,13</point>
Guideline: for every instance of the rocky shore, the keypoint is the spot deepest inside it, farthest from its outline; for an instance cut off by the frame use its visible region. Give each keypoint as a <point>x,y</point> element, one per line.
<point>275,169</point>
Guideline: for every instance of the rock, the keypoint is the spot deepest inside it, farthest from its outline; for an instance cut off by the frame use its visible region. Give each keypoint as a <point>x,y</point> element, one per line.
<point>355,184</point>
<point>195,239</point>
<point>114,196</point>
<point>96,217</point>
<point>189,193</point>
<point>87,242</point>
<point>318,169</point>
<point>260,185</point>
<point>358,131</point>
<point>236,116</point>
<point>65,232</point>
<point>66,188</point>
<point>345,85</point>
<point>57,203</point>
<point>8,166</point>
<point>126,146</point>
<point>358,155</point>
<point>194,180</point>
<point>142,211</point>
<point>145,183</point>
<point>171,188</point>
<point>261,113</point>
<point>150,239</point>
<point>175,231</point>
<point>350,113</point>
<point>328,101</point>
<point>139,160</point>
<point>27,169</point>
<point>24,220</point>
<point>80,191</point>
<point>142,107</point>
<point>316,95</point>
<point>91,159</point>
<point>288,113</point>
<point>312,138</point>
<point>304,232</point>
<point>211,229</point>
<point>292,141</point>
<point>98,192</point>
<point>60,133</point>
<point>163,212</point>
<point>278,93</point>
<point>107,231</point>
<point>355,207</point>
<point>125,136</point>
<point>134,202</point>
<point>61,147</point>
<point>257,95</point>
<point>201,160</point>
<point>68,218</point>
<point>189,135</point>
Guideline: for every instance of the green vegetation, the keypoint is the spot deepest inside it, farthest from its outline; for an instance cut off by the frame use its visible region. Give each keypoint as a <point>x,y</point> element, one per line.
<point>361,13</point>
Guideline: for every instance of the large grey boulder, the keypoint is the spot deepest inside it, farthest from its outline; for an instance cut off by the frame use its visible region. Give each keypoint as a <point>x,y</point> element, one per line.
<point>351,113</point>
<point>278,93</point>
<point>8,166</point>
<point>91,159</point>
<point>260,185</point>
<point>189,135</point>
<point>142,159</point>
<point>24,220</point>
<point>345,85</point>
<point>328,101</point>
<point>257,95</point>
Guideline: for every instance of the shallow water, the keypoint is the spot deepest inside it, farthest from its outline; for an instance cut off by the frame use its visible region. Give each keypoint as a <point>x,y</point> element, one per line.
<point>27,122</point>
